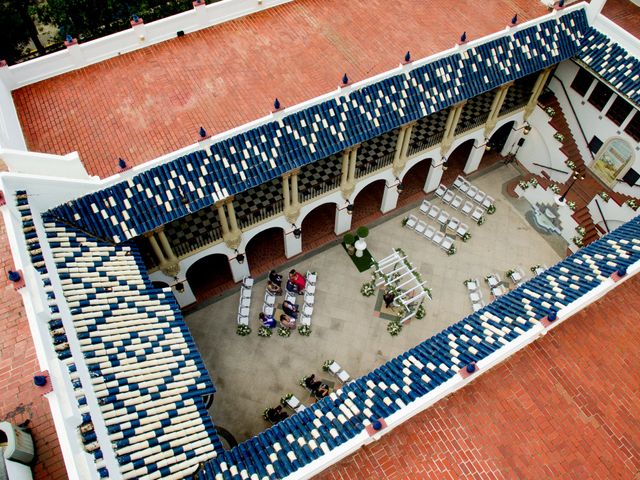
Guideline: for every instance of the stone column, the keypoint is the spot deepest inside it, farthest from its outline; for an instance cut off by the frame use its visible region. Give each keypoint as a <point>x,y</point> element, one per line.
<point>450,128</point>
<point>343,221</point>
<point>231,236</point>
<point>285,191</point>
<point>291,199</point>
<point>407,140</point>
<point>398,159</point>
<point>292,245</point>
<point>536,91</point>
<point>475,157</point>
<point>348,167</point>
<point>434,176</point>
<point>352,165</point>
<point>233,221</point>
<point>390,196</point>
<point>496,106</point>
<point>156,248</point>
<point>172,266</point>
<point>223,219</point>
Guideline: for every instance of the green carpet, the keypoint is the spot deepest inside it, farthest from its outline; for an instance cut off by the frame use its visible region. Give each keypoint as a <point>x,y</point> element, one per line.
<point>362,263</point>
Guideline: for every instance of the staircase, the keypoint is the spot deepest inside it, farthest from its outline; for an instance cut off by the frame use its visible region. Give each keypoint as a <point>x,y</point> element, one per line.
<point>583,217</point>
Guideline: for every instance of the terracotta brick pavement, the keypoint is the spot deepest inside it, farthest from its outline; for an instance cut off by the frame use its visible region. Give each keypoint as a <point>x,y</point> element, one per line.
<point>625,13</point>
<point>20,400</point>
<point>150,102</point>
<point>568,406</point>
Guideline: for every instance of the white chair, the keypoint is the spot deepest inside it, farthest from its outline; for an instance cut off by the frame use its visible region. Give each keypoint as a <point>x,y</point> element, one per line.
<point>424,206</point>
<point>430,232</point>
<point>477,213</point>
<point>411,221</point>
<point>446,243</point>
<point>247,282</point>
<point>464,188</point>
<point>244,312</point>
<point>444,217</point>
<point>453,224</point>
<point>343,376</point>
<point>448,196</point>
<point>462,229</point>
<point>268,310</point>
<point>334,367</point>
<point>475,297</point>
<point>441,190</point>
<point>488,201</point>
<point>245,292</point>
<point>457,201</point>
<point>477,306</point>
<point>269,299</point>
<point>434,212</point>
<point>458,181</point>
<point>437,238</point>
<point>471,193</point>
<point>420,227</point>
<point>311,278</point>
<point>307,310</point>
<point>309,299</point>
<point>467,208</point>
<point>295,404</point>
<point>245,301</point>
<point>493,280</point>
<point>472,286</point>
<point>290,297</point>
<point>310,289</point>
<point>305,320</point>
<point>480,196</point>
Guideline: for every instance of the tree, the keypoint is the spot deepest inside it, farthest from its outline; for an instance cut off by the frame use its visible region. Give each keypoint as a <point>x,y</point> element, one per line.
<point>13,34</point>
<point>23,8</point>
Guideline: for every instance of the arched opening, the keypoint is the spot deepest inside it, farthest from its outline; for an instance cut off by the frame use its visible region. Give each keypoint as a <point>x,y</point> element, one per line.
<point>612,160</point>
<point>457,160</point>
<point>413,182</point>
<point>209,276</point>
<point>318,226</point>
<point>265,250</point>
<point>499,138</point>
<point>158,284</point>
<point>366,205</point>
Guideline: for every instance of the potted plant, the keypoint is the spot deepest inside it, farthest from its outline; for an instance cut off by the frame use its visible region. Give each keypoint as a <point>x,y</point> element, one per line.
<point>466,237</point>
<point>284,332</point>
<point>243,330</point>
<point>264,332</point>
<point>285,399</point>
<point>326,365</point>
<point>533,182</point>
<point>632,203</point>
<point>304,330</point>
<point>368,289</point>
<point>362,232</point>
<point>523,185</point>
<point>572,205</point>
<point>554,188</point>
<point>491,209</point>
<point>481,220</point>
<point>452,250</point>
<point>604,195</point>
<point>558,136</point>
<point>394,327</point>
<point>349,240</point>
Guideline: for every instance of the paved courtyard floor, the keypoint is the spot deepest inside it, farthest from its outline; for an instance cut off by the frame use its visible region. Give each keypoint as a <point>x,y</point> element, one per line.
<point>252,373</point>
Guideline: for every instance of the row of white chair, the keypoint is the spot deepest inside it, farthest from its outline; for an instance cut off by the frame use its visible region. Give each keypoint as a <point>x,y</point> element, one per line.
<point>309,298</point>
<point>430,232</point>
<point>467,208</point>
<point>473,192</point>
<point>245,301</point>
<point>443,217</point>
<point>475,295</point>
<point>338,371</point>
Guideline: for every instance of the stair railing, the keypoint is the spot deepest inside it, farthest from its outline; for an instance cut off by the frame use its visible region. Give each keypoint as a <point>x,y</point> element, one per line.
<point>602,215</point>
<point>575,115</point>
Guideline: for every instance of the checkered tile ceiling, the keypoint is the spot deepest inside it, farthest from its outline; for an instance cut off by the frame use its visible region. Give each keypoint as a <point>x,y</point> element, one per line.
<point>180,187</point>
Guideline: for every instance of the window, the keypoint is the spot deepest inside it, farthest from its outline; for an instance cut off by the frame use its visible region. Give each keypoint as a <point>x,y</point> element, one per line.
<point>633,128</point>
<point>619,111</point>
<point>600,96</point>
<point>595,144</point>
<point>582,82</point>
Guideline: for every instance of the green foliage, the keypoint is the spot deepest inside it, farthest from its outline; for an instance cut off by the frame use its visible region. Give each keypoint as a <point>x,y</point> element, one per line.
<point>284,332</point>
<point>394,328</point>
<point>243,330</point>
<point>421,312</point>
<point>368,289</point>
<point>362,232</point>
<point>264,332</point>
<point>304,330</point>
<point>283,400</point>
<point>13,32</point>
<point>348,239</point>
<point>326,365</point>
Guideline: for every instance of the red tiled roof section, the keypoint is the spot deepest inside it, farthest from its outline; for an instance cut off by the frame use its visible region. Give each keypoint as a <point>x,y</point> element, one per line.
<point>625,13</point>
<point>567,406</point>
<point>150,102</point>
<point>20,399</point>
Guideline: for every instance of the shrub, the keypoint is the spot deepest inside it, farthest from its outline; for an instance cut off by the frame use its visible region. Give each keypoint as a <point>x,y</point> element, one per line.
<point>348,239</point>
<point>243,330</point>
<point>362,232</point>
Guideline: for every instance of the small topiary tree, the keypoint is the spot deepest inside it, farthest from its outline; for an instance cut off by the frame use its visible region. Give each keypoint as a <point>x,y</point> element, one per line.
<point>362,232</point>
<point>349,239</point>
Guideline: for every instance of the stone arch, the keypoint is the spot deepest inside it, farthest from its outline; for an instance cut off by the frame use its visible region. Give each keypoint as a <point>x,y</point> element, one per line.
<point>499,137</point>
<point>318,225</point>
<point>367,201</point>
<point>209,275</point>
<point>265,250</point>
<point>413,180</point>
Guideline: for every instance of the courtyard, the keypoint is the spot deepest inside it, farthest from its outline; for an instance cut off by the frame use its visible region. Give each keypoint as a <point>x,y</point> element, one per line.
<point>252,373</point>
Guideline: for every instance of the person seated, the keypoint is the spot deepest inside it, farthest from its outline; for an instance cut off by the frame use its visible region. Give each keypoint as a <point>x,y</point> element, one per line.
<point>292,287</point>
<point>322,391</point>
<point>267,320</point>
<point>273,414</point>
<point>290,309</point>
<point>298,280</point>
<point>275,278</point>
<point>287,322</point>
<point>311,383</point>
<point>273,288</point>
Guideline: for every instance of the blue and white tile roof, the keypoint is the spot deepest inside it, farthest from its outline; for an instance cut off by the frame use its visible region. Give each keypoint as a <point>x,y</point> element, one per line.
<point>146,373</point>
<point>194,181</point>
<point>611,62</point>
<point>345,414</point>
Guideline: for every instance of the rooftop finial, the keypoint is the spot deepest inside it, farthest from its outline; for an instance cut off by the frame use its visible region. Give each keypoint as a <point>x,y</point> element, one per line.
<point>203,132</point>
<point>345,79</point>
<point>463,37</point>
<point>407,56</point>
<point>135,18</point>
<point>276,104</point>
<point>514,20</point>
<point>69,38</point>
<point>122,163</point>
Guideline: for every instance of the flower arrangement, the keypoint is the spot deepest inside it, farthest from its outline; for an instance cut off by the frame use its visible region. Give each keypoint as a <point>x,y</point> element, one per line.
<point>481,220</point>
<point>578,241</point>
<point>571,164</point>
<point>466,237</point>
<point>452,250</point>
<point>368,289</point>
<point>303,381</point>
<point>632,203</point>
<point>558,136</point>
<point>491,209</point>
<point>284,332</point>
<point>326,365</point>
<point>421,312</point>
<point>510,272</point>
<point>468,281</point>
<point>394,328</point>
<point>581,230</point>
<point>572,205</point>
<point>550,111</point>
<point>264,332</point>
<point>264,414</point>
<point>533,182</point>
<point>523,185</point>
<point>604,196</point>
<point>534,268</point>
<point>304,330</point>
<point>285,398</point>
<point>243,330</point>
<point>554,188</point>
<point>404,221</point>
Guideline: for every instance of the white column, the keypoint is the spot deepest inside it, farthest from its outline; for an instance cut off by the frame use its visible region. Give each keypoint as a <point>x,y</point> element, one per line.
<point>292,245</point>
<point>433,177</point>
<point>352,164</point>
<point>285,191</point>
<point>223,219</point>
<point>232,216</point>
<point>511,143</point>
<point>164,241</point>
<point>343,221</point>
<point>345,168</point>
<point>239,270</point>
<point>156,248</point>
<point>475,157</point>
<point>295,198</point>
<point>390,196</point>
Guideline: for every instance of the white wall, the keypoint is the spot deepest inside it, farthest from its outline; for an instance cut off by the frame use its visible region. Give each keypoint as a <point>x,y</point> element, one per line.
<point>10,131</point>
<point>614,214</point>
<point>593,122</point>
<point>33,163</point>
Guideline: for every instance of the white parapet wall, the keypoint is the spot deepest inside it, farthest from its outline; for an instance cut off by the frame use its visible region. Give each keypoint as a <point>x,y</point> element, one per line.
<point>140,36</point>
<point>10,131</point>
<point>34,163</point>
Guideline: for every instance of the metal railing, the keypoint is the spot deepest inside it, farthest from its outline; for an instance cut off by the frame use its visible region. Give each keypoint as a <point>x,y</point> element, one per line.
<point>185,248</point>
<point>368,166</point>
<point>428,143</point>
<point>320,190</point>
<point>262,214</point>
